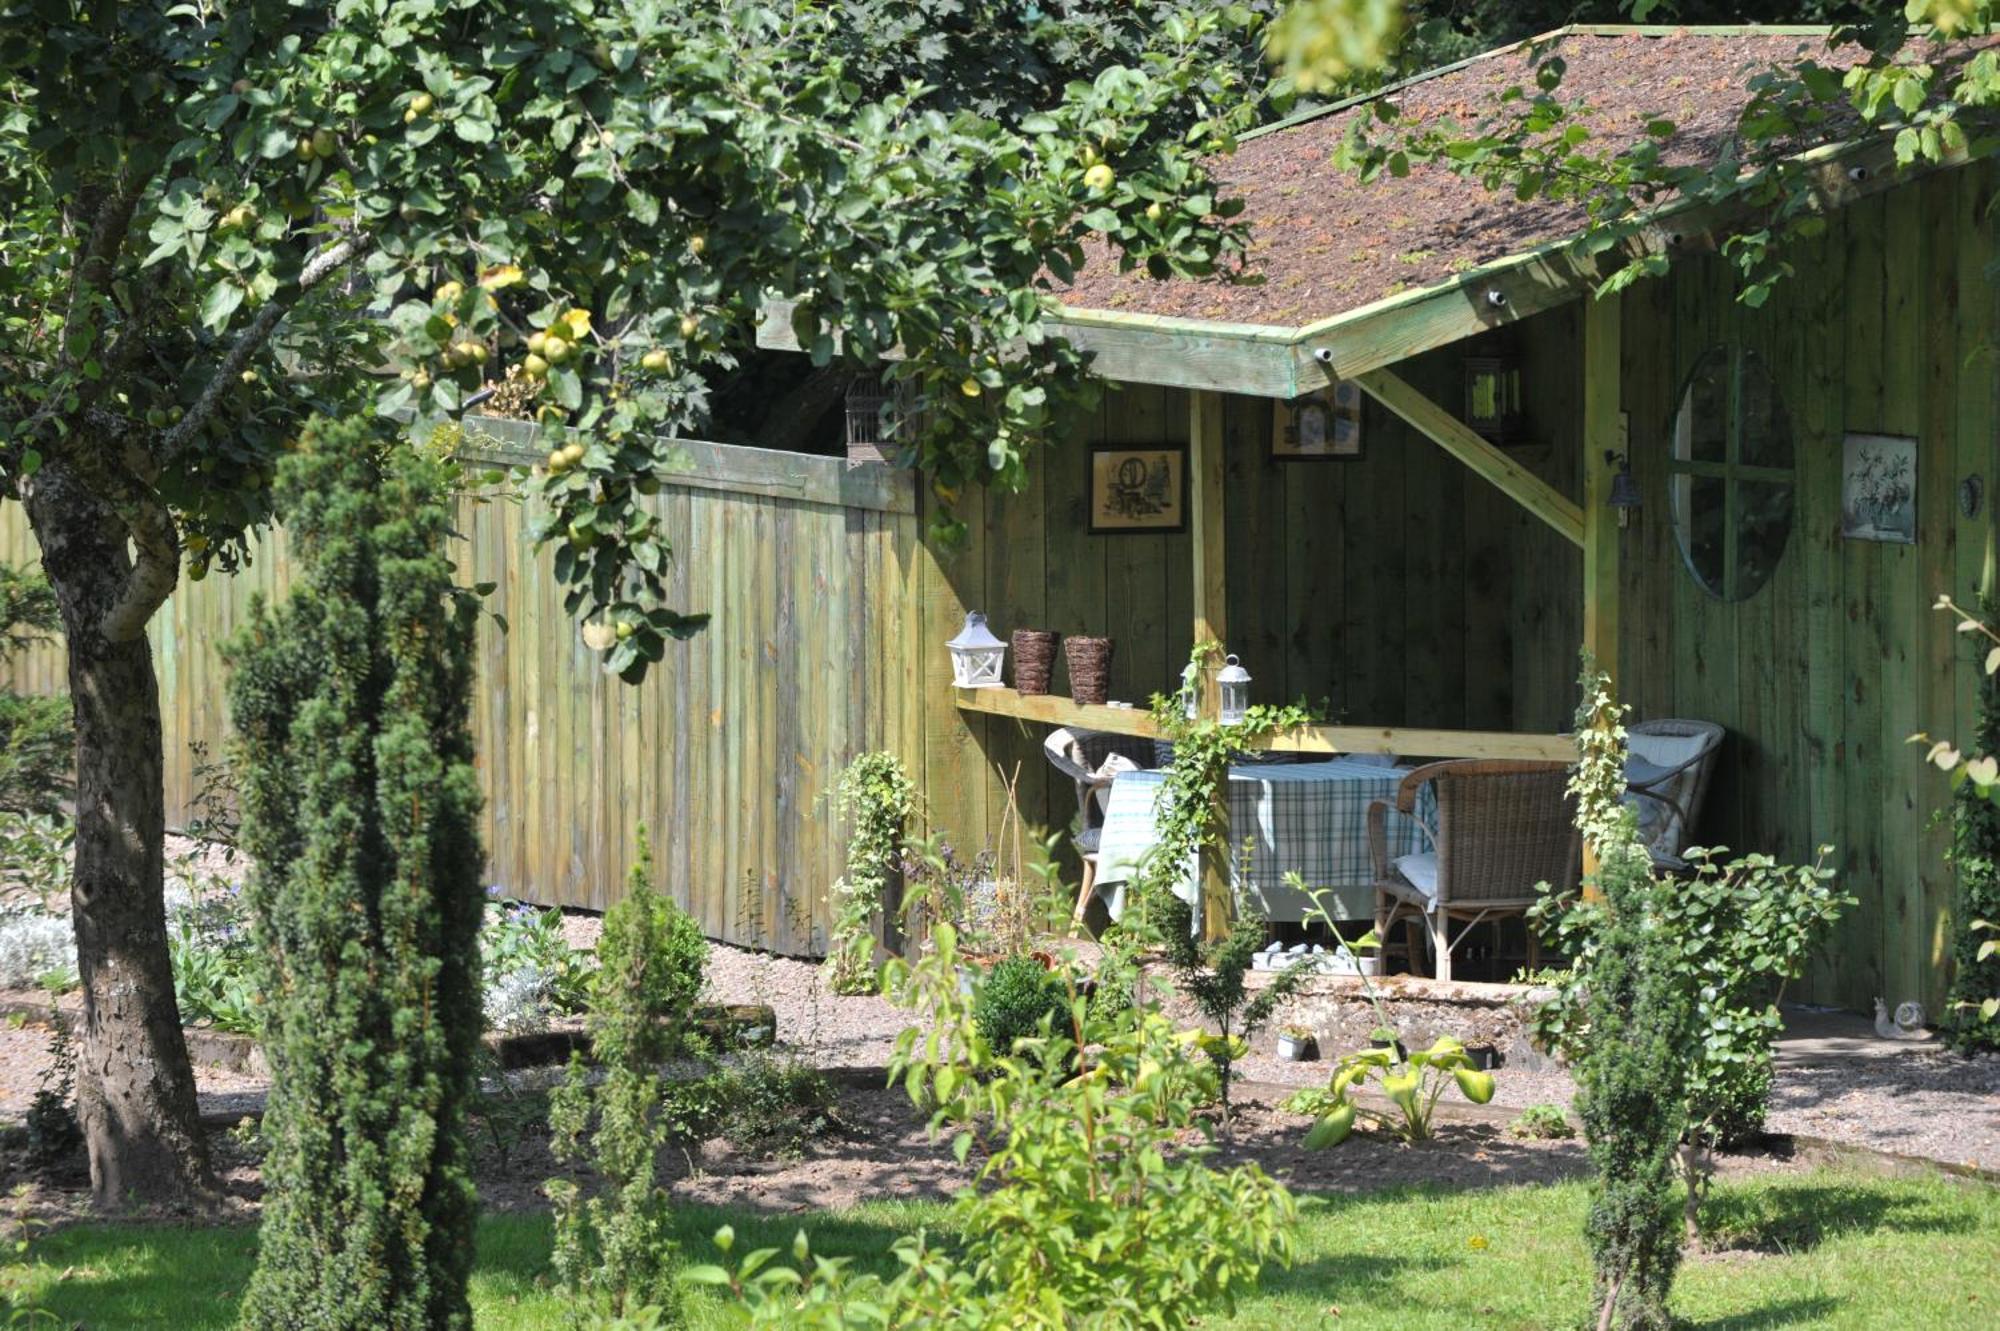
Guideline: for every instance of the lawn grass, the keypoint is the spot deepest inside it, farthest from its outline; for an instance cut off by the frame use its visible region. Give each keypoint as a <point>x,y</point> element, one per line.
<point>1827,1249</point>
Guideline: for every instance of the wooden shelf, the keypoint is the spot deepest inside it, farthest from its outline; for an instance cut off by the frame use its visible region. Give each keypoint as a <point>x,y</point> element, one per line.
<point>1052,710</point>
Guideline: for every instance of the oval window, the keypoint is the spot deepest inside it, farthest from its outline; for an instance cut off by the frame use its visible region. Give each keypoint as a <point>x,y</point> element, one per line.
<point>1731,475</point>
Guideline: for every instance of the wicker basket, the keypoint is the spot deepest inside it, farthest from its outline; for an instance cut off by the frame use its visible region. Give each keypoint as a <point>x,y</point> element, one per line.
<point>1089,668</point>
<point>1034,659</point>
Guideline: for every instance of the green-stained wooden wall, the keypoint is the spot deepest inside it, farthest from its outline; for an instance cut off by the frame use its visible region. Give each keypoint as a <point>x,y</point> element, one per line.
<point>727,750</point>
<point>1397,586</point>
<point>1823,674</point>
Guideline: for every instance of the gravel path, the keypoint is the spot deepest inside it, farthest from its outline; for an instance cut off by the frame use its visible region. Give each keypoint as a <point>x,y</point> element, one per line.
<point>1834,1080</point>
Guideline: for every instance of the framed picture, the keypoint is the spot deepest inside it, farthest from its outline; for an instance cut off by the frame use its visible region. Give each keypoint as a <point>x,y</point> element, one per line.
<point>1878,489</point>
<point>1326,424</point>
<point>1142,490</point>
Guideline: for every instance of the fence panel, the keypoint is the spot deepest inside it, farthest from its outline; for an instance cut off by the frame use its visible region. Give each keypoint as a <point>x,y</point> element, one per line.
<point>725,753</point>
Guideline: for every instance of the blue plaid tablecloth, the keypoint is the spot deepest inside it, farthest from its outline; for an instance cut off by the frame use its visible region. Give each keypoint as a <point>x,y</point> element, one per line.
<point>1305,818</point>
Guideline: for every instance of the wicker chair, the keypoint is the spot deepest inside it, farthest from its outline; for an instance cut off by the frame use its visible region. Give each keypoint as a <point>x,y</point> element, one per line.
<point>1667,775</point>
<point>1503,828</point>
<point>1079,755</point>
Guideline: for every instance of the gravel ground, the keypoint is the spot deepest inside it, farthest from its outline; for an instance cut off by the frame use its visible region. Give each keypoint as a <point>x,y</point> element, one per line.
<point>1911,1099</point>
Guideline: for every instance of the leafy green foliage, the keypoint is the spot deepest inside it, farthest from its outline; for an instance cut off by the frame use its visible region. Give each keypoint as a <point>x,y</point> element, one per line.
<point>612,1249</point>
<point>875,797</point>
<point>763,1103</point>
<point>529,972</point>
<point>1975,845</point>
<point>1413,1084</point>
<point>216,965</point>
<point>1542,1122</point>
<point>1018,999</point>
<point>360,815</point>
<point>1089,1209</point>
<point>308,191</point>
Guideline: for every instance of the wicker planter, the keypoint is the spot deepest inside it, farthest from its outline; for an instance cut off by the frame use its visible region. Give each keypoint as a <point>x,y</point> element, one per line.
<point>1089,668</point>
<point>1034,659</point>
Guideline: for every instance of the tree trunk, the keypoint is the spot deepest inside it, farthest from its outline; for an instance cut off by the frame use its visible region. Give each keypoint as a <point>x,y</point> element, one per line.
<point>134,1082</point>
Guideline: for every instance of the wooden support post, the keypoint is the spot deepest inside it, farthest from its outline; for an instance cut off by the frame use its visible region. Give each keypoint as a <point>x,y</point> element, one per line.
<point>1211,618</point>
<point>1456,438</point>
<point>1604,448</point>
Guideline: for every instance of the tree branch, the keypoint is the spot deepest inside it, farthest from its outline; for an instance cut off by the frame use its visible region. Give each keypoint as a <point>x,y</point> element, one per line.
<point>252,338</point>
<point>153,574</point>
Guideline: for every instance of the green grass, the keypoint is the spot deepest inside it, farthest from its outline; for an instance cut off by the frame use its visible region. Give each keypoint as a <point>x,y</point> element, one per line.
<point>1815,1250</point>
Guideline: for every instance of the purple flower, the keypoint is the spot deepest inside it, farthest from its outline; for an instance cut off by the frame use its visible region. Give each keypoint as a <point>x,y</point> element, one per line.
<point>495,891</point>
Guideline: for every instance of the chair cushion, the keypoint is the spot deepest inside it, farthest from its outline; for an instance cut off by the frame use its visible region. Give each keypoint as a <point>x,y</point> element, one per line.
<point>1420,872</point>
<point>1116,764</point>
<point>1663,751</point>
<point>1088,840</point>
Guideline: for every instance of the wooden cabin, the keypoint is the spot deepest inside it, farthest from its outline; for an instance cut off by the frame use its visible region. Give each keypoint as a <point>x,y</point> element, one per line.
<point>1434,583</point>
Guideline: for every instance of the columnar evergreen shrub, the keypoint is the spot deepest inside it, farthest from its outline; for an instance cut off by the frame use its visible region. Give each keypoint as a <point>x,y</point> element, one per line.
<point>614,1249</point>
<point>1631,1071</point>
<point>359,815</point>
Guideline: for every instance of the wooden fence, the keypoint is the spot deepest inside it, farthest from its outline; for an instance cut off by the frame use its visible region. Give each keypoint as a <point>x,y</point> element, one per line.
<point>725,753</point>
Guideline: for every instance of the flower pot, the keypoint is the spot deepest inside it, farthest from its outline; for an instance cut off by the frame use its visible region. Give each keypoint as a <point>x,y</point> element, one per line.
<point>1484,1057</point>
<point>1034,659</point>
<point>1402,1055</point>
<point>1297,1048</point>
<point>1089,668</point>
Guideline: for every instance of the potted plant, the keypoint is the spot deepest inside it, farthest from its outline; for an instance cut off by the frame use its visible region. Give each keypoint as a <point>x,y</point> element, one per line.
<point>1297,1044</point>
<point>1384,1037</point>
<point>1484,1057</point>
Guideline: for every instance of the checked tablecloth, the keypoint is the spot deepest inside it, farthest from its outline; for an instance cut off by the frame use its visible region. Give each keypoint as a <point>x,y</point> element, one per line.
<point>1305,818</point>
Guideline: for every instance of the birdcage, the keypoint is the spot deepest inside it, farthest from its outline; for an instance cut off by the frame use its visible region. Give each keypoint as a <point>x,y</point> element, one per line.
<point>870,417</point>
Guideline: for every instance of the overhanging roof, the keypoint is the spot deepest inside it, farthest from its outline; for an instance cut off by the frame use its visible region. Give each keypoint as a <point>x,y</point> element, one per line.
<point>1140,331</point>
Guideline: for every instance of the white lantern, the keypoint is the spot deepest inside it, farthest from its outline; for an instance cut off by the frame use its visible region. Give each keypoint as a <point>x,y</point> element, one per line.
<point>976,655</point>
<point>1232,683</point>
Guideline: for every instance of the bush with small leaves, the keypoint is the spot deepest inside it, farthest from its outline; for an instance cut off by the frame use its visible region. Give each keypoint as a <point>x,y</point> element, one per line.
<point>1542,1122</point>
<point>1017,1000</point>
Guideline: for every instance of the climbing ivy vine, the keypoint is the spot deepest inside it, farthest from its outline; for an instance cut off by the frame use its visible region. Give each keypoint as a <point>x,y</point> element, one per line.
<point>875,797</point>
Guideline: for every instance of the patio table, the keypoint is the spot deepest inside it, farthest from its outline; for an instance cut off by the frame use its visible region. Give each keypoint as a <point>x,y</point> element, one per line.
<point>1305,818</point>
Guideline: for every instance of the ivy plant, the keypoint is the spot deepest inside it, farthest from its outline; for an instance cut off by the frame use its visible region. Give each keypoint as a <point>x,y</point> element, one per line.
<point>876,798</point>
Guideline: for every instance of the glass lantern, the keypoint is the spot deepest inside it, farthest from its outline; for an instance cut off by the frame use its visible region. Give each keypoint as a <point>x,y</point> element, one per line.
<point>1493,405</point>
<point>1232,684</point>
<point>976,655</point>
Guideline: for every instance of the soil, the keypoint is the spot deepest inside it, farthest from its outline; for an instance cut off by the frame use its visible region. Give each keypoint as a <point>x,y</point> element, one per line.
<point>1915,1100</point>
<point>1322,243</point>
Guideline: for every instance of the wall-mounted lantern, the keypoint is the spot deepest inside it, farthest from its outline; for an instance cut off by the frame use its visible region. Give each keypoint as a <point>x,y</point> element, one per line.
<point>1232,685</point>
<point>976,655</point>
<point>1624,498</point>
<point>1493,400</point>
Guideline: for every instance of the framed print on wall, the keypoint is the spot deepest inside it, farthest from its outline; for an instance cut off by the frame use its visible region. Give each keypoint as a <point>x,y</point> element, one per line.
<point>1878,489</point>
<point>1326,424</point>
<point>1138,490</point>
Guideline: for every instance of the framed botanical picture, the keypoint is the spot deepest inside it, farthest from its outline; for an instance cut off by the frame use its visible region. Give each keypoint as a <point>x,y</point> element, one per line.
<point>1326,424</point>
<point>1134,489</point>
<point>1878,489</point>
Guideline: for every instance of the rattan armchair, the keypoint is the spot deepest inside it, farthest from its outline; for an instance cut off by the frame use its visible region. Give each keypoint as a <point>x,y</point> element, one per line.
<point>1503,828</point>
<point>1080,755</point>
<point>1667,774</point>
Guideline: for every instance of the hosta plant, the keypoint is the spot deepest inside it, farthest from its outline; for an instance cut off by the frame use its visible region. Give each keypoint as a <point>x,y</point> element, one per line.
<point>1414,1086</point>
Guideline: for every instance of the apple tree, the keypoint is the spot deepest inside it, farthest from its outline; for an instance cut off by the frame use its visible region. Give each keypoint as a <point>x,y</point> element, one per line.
<point>223,218</point>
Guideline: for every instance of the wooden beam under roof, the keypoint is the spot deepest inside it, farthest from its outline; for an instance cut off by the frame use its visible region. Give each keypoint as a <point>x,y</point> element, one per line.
<point>1494,464</point>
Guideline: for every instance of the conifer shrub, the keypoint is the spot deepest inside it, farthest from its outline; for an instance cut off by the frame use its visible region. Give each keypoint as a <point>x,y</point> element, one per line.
<point>1642,1022</point>
<point>1015,1000</point>
<point>360,809</point>
<point>614,1248</point>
